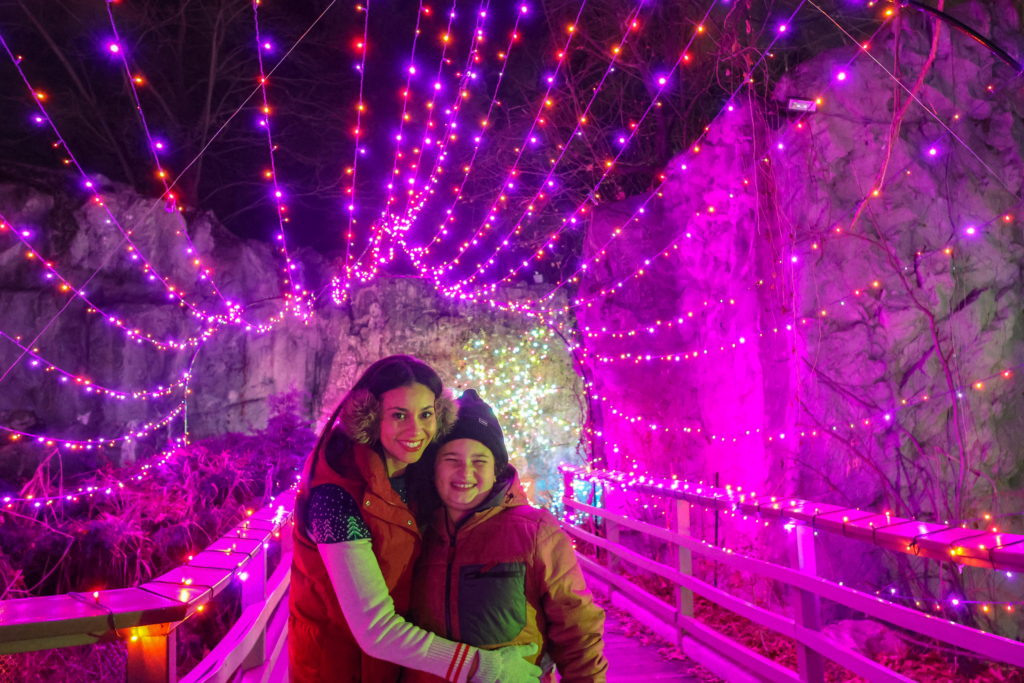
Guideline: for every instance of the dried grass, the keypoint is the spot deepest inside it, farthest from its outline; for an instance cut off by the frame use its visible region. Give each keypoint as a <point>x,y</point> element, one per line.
<point>145,529</point>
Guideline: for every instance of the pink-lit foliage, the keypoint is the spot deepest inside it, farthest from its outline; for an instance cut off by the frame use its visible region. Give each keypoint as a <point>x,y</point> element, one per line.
<point>146,529</point>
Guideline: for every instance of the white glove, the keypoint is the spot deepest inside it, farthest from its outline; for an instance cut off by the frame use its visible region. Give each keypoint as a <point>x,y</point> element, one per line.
<point>506,665</point>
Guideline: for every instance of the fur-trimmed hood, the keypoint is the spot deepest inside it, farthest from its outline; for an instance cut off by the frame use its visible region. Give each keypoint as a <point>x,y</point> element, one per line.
<point>361,416</point>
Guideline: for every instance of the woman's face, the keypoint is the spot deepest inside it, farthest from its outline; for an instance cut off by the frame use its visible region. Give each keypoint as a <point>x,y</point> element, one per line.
<point>407,426</point>
<point>463,475</point>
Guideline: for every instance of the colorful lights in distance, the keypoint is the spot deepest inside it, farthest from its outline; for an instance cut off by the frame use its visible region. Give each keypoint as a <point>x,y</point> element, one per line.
<point>519,382</point>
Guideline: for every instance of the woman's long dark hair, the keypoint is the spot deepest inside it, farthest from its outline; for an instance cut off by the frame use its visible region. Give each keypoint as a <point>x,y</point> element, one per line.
<point>386,374</point>
<point>381,377</point>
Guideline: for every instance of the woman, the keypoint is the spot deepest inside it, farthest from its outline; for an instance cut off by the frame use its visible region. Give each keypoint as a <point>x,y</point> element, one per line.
<point>356,539</point>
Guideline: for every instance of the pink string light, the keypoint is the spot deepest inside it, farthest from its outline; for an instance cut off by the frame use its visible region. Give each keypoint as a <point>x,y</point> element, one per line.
<point>154,147</point>
<point>294,293</point>
<point>148,269</point>
<point>491,214</point>
<point>381,231</point>
<point>432,105</point>
<point>728,107</point>
<point>87,385</point>
<point>630,23</point>
<point>360,107</point>
<point>79,444</point>
<point>84,493</point>
<point>134,334</point>
<point>418,253</point>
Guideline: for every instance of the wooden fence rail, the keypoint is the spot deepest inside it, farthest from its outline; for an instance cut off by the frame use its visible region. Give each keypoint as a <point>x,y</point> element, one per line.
<point>804,628</point>
<point>988,548</point>
<point>146,617</point>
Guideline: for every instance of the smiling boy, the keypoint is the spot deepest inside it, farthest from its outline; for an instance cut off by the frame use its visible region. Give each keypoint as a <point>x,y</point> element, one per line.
<point>496,571</point>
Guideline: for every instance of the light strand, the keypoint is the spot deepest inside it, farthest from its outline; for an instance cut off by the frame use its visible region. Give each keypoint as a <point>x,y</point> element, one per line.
<point>295,291</point>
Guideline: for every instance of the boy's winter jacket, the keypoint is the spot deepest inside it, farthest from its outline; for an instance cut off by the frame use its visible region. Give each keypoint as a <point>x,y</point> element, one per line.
<point>321,648</point>
<point>507,575</point>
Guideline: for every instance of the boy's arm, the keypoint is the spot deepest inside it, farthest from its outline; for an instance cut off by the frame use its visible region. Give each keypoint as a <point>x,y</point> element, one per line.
<point>575,630</point>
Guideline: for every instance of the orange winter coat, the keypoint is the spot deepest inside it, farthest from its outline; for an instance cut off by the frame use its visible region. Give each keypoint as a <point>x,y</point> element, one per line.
<point>508,576</point>
<point>321,648</point>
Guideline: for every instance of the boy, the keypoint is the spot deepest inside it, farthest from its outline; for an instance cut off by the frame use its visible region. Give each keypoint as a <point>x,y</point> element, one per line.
<point>495,571</point>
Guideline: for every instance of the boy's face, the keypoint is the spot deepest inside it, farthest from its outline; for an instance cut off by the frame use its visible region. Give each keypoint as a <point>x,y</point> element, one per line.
<point>464,474</point>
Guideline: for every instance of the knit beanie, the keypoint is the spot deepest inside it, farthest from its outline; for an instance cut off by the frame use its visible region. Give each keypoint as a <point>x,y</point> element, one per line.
<point>477,421</point>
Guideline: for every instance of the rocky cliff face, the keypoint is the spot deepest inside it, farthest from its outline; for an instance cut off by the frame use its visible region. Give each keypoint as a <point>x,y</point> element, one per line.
<point>870,364</point>
<point>236,368</point>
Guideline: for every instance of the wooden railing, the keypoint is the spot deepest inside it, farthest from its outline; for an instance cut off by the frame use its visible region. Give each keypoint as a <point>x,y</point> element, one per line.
<point>678,624</point>
<point>146,617</point>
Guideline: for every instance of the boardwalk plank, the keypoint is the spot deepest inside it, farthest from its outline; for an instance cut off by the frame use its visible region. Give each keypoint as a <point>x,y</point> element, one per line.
<point>631,662</point>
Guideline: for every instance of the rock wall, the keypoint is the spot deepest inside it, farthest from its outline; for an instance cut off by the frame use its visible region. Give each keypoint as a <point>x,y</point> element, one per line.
<point>869,365</point>
<point>237,369</point>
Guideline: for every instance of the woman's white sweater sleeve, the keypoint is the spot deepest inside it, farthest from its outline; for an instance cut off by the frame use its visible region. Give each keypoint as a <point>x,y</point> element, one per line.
<point>370,613</point>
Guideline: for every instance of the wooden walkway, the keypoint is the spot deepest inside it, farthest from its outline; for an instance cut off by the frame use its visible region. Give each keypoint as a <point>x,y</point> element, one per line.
<point>630,662</point>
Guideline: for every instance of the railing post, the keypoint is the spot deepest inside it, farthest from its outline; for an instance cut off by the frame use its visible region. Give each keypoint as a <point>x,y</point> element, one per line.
<point>807,609</point>
<point>287,536</point>
<point>153,658</point>
<point>611,531</point>
<point>684,562</point>
<point>254,590</point>
<point>567,478</point>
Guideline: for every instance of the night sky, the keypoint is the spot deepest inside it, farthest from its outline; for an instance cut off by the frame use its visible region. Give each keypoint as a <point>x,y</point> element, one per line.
<point>172,47</point>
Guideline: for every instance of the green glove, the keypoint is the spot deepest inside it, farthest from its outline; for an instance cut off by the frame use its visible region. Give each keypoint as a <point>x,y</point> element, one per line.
<point>506,665</point>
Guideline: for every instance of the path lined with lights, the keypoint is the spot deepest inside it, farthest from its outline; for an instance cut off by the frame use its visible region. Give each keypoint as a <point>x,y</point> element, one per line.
<point>985,548</point>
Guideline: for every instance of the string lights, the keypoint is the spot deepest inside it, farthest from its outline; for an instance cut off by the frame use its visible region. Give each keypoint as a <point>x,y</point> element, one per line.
<point>548,180</point>
<point>363,48</point>
<point>418,254</point>
<point>375,240</point>
<point>98,442</point>
<point>399,227</point>
<point>88,386</point>
<point>517,382</point>
<point>529,141</point>
<point>987,547</point>
<point>513,388</point>
<point>234,314</point>
<point>155,148</point>
<point>173,292</point>
<point>85,493</point>
<point>294,292</point>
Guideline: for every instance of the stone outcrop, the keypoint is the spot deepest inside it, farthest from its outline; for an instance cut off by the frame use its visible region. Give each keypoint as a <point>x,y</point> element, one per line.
<point>874,366</point>
<point>236,369</point>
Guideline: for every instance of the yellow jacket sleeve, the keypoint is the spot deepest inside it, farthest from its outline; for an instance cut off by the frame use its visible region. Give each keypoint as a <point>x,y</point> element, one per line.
<point>575,624</point>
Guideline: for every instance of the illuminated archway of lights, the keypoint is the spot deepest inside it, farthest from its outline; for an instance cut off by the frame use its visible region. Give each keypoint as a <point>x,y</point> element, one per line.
<point>519,383</point>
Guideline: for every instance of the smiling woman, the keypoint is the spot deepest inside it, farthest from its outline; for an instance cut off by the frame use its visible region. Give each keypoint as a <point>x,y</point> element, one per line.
<point>409,423</point>
<point>356,541</point>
